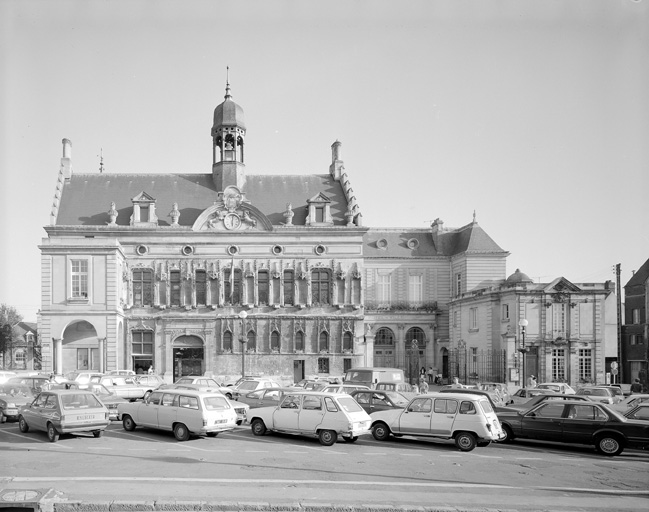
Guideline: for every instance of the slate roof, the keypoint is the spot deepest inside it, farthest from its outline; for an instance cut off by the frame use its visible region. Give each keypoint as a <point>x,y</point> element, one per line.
<point>470,239</point>
<point>86,198</point>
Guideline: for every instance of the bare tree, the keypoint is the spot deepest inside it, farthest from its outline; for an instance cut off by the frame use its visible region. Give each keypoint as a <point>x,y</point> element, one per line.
<point>9,317</point>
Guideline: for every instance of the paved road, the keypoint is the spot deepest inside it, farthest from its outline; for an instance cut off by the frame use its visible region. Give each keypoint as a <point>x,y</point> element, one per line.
<point>237,467</point>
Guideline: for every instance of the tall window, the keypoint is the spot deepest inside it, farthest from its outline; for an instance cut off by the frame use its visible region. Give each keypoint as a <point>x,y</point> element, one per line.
<point>585,364</point>
<point>458,284</point>
<point>142,287</point>
<point>79,274</point>
<point>320,286</point>
<point>384,336</point>
<point>232,286</point>
<point>252,341</point>
<point>473,318</point>
<point>274,341</point>
<point>559,319</point>
<point>323,342</point>
<point>505,312</point>
<point>636,316</point>
<point>348,342</point>
<point>383,289</point>
<point>323,365</point>
<point>20,359</point>
<point>262,286</point>
<point>289,290</point>
<point>174,282</point>
<point>416,334</point>
<point>87,359</point>
<point>299,341</point>
<point>201,287</point>
<point>416,289</point>
<point>558,364</point>
<point>227,341</point>
<point>319,214</point>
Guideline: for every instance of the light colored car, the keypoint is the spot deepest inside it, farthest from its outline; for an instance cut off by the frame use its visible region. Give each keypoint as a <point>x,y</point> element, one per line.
<point>639,412</point>
<point>239,407</point>
<point>523,395</point>
<point>35,382</point>
<point>150,382</point>
<point>343,388</point>
<point>313,413</point>
<point>557,387</point>
<point>598,394</point>
<point>126,387</point>
<point>107,397</point>
<point>82,377</point>
<point>206,383</point>
<point>499,389</point>
<point>467,419</point>
<point>12,398</point>
<point>630,401</point>
<point>5,376</point>
<point>181,411</point>
<point>64,411</point>
<point>245,387</point>
<point>265,397</point>
<point>373,400</point>
<point>399,387</point>
<point>126,373</point>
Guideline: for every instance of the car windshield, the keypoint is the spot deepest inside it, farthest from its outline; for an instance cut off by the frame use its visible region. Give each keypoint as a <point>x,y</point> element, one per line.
<point>349,404</point>
<point>13,390</point>
<point>100,390</point>
<point>249,385</point>
<point>359,376</point>
<point>397,398</point>
<point>215,402</point>
<point>80,401</point>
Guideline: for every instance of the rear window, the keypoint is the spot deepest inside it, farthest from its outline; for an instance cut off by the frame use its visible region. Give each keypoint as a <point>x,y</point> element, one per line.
<point>486,406</point>
<point>359,376</point>
<point>215,403</point>
<point>80,401</point>
<point>349,404</point>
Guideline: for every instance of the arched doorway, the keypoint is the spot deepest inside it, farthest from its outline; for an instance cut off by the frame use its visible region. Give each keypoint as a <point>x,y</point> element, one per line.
<point>189,356</point>
<point>80,350</point>
<point>415,351</point>
<point>445,364</point>
<point>384,348</point>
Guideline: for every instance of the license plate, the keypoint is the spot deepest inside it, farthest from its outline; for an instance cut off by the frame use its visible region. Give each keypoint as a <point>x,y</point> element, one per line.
<point>85,418</point>
<point>220,421</point>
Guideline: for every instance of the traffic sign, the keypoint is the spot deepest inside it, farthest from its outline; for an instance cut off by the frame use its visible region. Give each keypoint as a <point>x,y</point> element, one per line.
<point>614,371</point>
<point>614,365</point>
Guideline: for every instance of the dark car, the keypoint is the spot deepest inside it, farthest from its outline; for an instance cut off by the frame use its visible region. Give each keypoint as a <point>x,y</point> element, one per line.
<point>496,408</point>
<point>35,382</point>
<point>373,400</point>
<point>12,397</point>
<point>574,421</point>
<point>545,398</point>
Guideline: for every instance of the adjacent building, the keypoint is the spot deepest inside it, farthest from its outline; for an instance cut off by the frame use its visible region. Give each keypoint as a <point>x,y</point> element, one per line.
<point>635,329</point>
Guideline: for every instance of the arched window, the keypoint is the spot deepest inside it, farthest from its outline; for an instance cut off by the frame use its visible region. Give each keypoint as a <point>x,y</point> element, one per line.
<point>416,334</point>
<point>384,336</point>
<point>299,341</point>
<point>274,341</point>
<point>252,341</point>
<point>227,341</point>
<point>348,341</point>
<point>323,342</point>
<point>320,286</point>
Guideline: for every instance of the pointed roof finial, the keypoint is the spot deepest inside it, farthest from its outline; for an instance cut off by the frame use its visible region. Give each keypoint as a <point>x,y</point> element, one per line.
<point>474,216</point>
<point>227,83</point>
<point>101,160</point>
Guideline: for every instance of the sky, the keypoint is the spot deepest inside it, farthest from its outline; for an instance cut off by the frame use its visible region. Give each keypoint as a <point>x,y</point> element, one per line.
<point>532,114</point>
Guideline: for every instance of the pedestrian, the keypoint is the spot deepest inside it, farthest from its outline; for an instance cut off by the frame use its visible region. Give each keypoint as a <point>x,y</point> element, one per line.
<point>456,383</point>
<point>431,375</point>
<point>415,389</point>
<point>531,381</point>
<point>150,370</point>
<point>423,386</point>
<point>636,387</point>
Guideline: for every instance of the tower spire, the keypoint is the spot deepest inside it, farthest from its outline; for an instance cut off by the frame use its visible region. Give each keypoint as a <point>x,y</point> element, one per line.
<point>227,83</point>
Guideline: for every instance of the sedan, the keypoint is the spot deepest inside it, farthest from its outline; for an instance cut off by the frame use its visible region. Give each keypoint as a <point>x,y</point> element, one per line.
<point>573,421</point>
<point>545,398</point>
<point>598,394</point>
<point>630,401</point>
<point>266,397</point>
<point>342,388</point>
<point>12,397</point>
<point>64,411</point>
<point>639,412</point>
<point>557,387</point>
<point>108,398</point>
<point>240,408</point>
<point>126,387</point>
<point>375,400</point>
<point>150,382</point>
<point>524,394</point>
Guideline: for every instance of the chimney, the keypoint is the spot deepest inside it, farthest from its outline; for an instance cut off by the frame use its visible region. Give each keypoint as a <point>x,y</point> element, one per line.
<point>66,161</point>
<point>336,167</point>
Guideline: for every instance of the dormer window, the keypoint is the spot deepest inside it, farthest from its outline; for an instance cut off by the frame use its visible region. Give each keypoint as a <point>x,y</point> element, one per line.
<point>319,211</point>
<point>144,211</point>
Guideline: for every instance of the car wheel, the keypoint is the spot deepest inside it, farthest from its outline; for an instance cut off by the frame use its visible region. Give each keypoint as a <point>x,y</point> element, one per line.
<point>258,428</point>
<point>22,425</point>
<point>609,445</point>
<point>212,434</point>
<point>465,441</point>
<point>128,423</point>
<point>181,432</point>
<point>352,439</point>
<point>509,434</point>
<point>482,444</point>
<point>52,434</point>
<point>97,433</point>
<point>381,431</point>
<point>327,437</point>
<point>228,396</point>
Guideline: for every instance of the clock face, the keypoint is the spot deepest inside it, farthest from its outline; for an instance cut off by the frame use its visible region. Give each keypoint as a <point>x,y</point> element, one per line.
<point>231,221</point>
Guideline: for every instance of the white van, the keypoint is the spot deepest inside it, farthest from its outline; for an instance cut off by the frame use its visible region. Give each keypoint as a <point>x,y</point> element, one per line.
<point>371,376</point>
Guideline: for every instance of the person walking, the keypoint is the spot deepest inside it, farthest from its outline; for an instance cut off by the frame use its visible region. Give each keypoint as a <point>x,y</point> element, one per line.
<point>531,381</point>
<point>636,387</point>
<point>423,385</point>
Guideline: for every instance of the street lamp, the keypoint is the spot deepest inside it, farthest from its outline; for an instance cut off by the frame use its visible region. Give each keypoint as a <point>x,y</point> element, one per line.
<point>243,315</point>
<point>522,323</point>
<point>462,345</point>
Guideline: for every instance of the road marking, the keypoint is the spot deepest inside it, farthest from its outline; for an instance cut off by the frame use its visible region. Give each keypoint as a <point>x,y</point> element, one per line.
<point>410,454</point>
<point>375,453</point>
<point>256,451</point>
<point>528,458</point>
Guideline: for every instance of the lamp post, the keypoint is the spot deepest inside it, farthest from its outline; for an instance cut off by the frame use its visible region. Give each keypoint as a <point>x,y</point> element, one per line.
<point>462,345</point>
<point>243,315</point>
<point>522,323</point>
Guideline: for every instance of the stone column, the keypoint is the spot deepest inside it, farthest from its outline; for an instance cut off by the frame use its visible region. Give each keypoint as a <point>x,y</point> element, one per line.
<point>58,356</point>
<point>102,355</point>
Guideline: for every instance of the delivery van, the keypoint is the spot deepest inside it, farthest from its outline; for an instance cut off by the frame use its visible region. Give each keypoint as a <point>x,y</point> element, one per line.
<point>370,377</point>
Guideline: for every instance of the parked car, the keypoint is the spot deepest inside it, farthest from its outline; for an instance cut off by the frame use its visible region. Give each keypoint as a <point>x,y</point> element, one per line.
<point>5,376</point>
<point>372,400</point>
<point>181,411</point>
<point>523,395</point>
<point>240,408</point>
<point>626,388</point>
<point>318,385</point>
<point>12,397</point>
<point>467,419</point>
<point>247,386</point>
<point>496,406</point>
<point>126,387</point>
<point>205,383</point>
<point>64,411</point>
<point>557,387</point>
<point>108,398</point>
<point>150,382</point>
<point>618,395</point>
<point>312,413</point>
<point>265,397</point>
<point>630,401</point>
<point>35,382</point>
<point>342,388</point>
<point>129,373</point>
<point>639,412</point>
<point>573,421</point>
<point>82,377</point>
<point>399,387</point>
<point>598,394</point>
<point>545,397</point>
<point>499,388</point>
